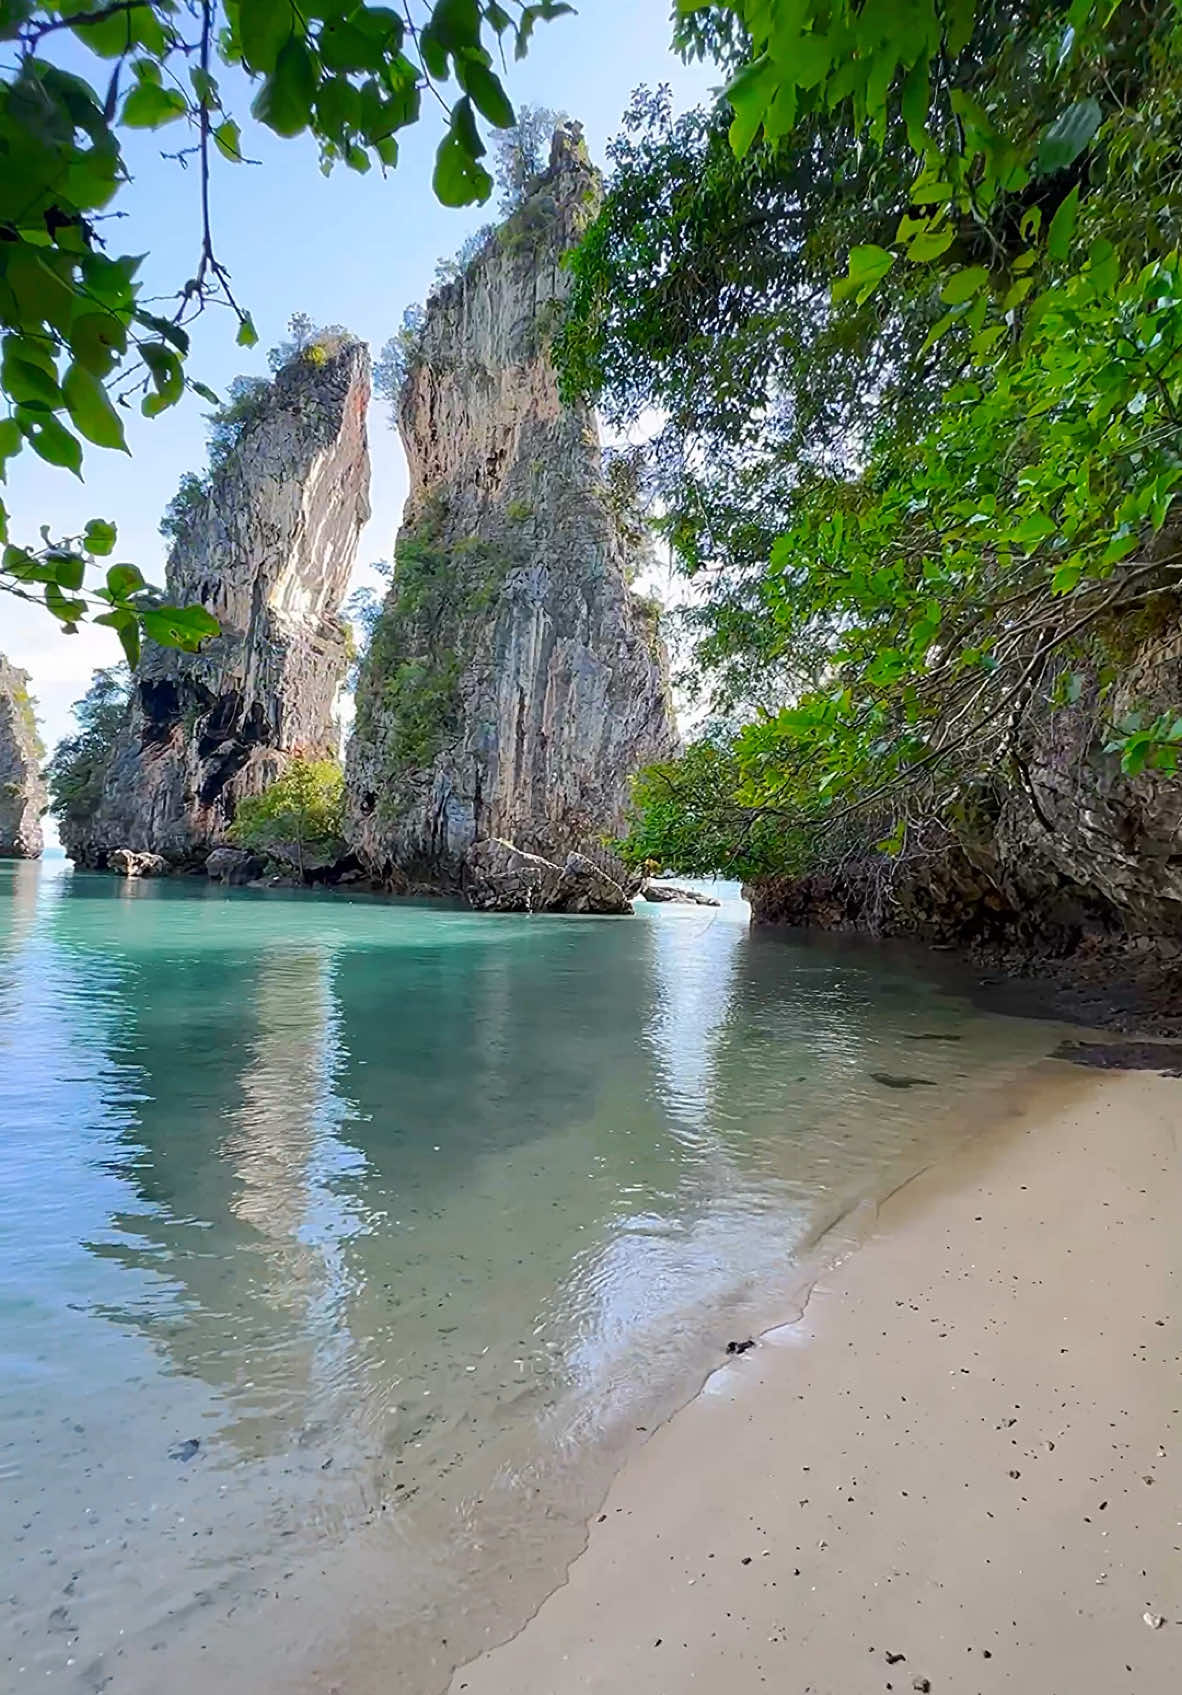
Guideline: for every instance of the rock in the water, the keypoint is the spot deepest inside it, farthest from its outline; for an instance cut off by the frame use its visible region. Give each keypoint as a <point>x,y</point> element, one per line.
<point>268,551</point>
<point>125,862</point>
<point>515,683</point>
<point>233,865</point>
<point>584,887</point>
<point>672,892</point>
<point>503,878</point>
<point>22,790</point>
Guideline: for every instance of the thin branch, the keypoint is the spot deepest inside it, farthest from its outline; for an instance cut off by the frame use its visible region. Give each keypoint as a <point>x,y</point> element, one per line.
<point>82,20</point>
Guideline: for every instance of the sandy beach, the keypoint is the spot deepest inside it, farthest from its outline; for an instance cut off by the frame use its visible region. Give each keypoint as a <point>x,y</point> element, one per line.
<point>960,1470</point>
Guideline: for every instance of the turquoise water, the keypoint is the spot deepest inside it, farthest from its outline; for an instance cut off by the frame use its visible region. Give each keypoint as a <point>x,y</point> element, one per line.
<point>345,1244</point>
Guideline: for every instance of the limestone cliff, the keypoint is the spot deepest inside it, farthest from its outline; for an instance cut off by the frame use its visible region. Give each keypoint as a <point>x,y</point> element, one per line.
<point>268,548</point>
<point>515,683</point>
<point>22,791</point>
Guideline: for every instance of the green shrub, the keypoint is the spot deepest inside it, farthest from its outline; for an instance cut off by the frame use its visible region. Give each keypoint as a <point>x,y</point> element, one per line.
<point>298,819</point>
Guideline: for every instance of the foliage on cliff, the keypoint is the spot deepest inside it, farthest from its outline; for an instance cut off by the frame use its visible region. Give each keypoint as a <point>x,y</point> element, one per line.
<point>79,764</point>
<point>298,818</point>
<point>941,501</point>
<point>418,644</point>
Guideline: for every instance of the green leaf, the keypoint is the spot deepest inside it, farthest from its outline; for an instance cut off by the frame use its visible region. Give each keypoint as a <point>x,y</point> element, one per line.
<point>1062,142</point>
<point>963,285</point>
<point>264,27</point>
<point>205,392</point>
<point>344,47</point>
<point>179,626</point>
<point>91,410</point>
<point>227,138</point>
<point>247,334</point>
<point>459,179</point>
<point>165,327</point>
<point>54,443</point>
<point>929,245</point>
<point>10,440</point>
<point>750,93</point>
<point>338,107</point>
<point>96,340</point>
<point>931,191</point>
<point>867,266</point>
<point>284,103</point>
<point>485,88</point>
<point>147,106</point>
<point>29,374</point>
<point>455,24</point>
<point>64,607</point>
<point>113,36</point>
<point>99,537</point>
<point>1066,577</point>
<point>18,562</point>
<point>126,626</point>
<point>124,580</point>
<point>168,376</point>
<point>69,569</point>
<point>1062,225</point>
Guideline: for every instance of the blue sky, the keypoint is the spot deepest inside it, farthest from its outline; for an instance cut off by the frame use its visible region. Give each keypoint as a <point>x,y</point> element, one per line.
<point>348,249</point>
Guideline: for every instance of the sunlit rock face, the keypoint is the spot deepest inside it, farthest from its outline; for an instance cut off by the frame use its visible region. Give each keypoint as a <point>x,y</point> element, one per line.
<point>515,683</point>
<point>22,791</point>
<point>268,550</point>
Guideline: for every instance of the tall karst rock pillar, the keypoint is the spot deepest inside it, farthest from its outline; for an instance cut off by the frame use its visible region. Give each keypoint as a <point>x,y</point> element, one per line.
<point>22,788</point>
<point>514,683</point>
<point>268,549</point>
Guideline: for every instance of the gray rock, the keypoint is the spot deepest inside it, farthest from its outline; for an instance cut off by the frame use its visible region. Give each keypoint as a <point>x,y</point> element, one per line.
<point>22,791</point>
<point>1077,856</point>
<point>664,892</point>
<point>583,887</point>
<point>503,878</point>
<point>268,551</point>
<point>125,862</point>
<point>233,865</point>
<point>515,683</point>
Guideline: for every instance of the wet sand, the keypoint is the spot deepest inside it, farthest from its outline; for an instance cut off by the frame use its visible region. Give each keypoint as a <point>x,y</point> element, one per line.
<point>961,1469</point>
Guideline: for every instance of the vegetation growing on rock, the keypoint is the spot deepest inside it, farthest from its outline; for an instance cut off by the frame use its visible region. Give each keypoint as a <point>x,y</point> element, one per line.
<point>911,305</point>
<point>421,641</point>
<point>80,762</point>
<point>297,819</point>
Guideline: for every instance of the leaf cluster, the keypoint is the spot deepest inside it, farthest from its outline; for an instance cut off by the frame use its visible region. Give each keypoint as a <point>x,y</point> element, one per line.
<point>79,345</point>
<point>80,762</point>
<point>924,605</point>
<point>297,819</point>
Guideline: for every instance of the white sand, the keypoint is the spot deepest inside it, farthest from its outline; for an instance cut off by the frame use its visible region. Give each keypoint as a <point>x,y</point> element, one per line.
<point>968,1452</point>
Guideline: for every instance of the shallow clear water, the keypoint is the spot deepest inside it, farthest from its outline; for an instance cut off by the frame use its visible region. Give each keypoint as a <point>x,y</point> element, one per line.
<point>345,1243</point>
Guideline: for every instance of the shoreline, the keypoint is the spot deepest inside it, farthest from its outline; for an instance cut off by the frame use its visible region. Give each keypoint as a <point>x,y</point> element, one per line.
<point>834,1496</point>
<point>1113,984</point>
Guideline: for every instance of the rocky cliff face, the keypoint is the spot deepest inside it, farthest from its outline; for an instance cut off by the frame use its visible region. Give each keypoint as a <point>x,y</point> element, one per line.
<point>268,549</point>
<point>22,792</point>
<point>515,683</point>
<point>1077,856</point>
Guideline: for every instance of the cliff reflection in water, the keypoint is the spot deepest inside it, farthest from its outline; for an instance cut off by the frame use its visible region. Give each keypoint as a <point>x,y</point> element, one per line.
<point>314,1207</point>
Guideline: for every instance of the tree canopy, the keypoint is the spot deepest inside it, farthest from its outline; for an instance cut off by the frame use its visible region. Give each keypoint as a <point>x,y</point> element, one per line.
<point>79,764</point>
<point>908,305</point>
<point>297,818</point>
